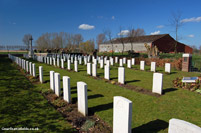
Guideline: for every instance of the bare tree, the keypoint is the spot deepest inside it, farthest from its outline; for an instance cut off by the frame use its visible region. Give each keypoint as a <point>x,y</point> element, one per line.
<point>121,39</point>
<point>26,40</point>
<point>176,23</point>
<point>101,38</point>
<point>108,35</point>
<point>134,33</point>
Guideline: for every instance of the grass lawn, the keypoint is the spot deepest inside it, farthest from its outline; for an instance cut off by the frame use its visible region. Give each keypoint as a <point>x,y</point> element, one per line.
<point>149,113</point>
<point>22,105</point>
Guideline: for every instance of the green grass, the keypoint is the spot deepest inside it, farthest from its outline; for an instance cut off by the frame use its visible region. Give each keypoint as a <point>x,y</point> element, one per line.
<point>13,52</point>
<point>22,105</point>
<point>149,113</point>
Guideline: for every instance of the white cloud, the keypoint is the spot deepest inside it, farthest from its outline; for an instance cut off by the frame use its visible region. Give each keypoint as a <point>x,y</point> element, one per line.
<point>198,19</point>
<point>113,17</point>
<point>123,32</point>
<point>155,33</point>
<point>86,27</point>
<point>160,26</point>
<point>191,36</point>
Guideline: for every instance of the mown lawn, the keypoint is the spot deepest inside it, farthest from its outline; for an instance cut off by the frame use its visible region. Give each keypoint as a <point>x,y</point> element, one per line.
<point>150,114</point>
<point>22,105</point>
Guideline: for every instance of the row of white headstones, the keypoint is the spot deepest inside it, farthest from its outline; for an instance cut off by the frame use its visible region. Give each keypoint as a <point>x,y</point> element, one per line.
<point>122,112</point>
<point>92,68</point>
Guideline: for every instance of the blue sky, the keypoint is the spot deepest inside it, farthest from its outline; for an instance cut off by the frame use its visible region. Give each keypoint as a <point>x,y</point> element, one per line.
<point>19,17</point>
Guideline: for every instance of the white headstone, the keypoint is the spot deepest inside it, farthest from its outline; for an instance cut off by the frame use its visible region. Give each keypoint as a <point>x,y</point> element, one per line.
<point>112,61</point>
<point>133,61</point>
<point>129,63</point>
<point>50,60</point>
<point>52,85</point>
<point>153,66</point>
<point>89,68</point>
<point>157,83</point>
<point>80,60</point>
<point>57,83</point>
<point>34,69</point>
<point>41,74</point>
<point>168,67</point>
<point>68,64</point>
<point>75,66</point>
<point>58,62</point>
<point>94,70</point>
<point>82,98</point>
<point>30,68</point>
<point>54,61</point>
<point>66,89</point>
<point>121,75</point>
<point>122,115</point>
<point>62,63</point>
<point>108,62</point>
<point>107,72</point>
<point>181,126</point>
<point>142,63</point>
<point>101,63</point>
<point>27,66</point>
<point>116,59</point>
<point>121,62</point>
<point>124,60</point>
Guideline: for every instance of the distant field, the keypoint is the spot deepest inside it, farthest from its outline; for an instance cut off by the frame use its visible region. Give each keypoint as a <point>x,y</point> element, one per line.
<point>13,52</point>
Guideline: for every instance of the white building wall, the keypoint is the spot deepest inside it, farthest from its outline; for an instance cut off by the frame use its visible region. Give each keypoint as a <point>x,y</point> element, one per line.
<point>137,47</point>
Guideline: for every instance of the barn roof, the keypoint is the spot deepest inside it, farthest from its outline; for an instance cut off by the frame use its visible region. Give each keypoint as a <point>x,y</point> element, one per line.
<point>145,38</point>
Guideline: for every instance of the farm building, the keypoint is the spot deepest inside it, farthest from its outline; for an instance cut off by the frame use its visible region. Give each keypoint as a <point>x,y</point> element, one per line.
<point>164,42</point>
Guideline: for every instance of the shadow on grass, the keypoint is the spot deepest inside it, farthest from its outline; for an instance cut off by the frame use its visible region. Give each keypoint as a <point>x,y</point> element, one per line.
<point>95,96</point>
<point>169,90</point>
<point>98,108</point>
<point>75,91</point>
<point>132,81</point>
<point>151,127</point>
<point>114,78</point>
<point>100,74</point>
<point>46,81</point>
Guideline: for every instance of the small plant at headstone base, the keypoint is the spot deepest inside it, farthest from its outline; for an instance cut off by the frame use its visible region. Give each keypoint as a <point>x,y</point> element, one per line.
<point>59,103</point>
<point>113,82</point>
<point>87,125</point>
